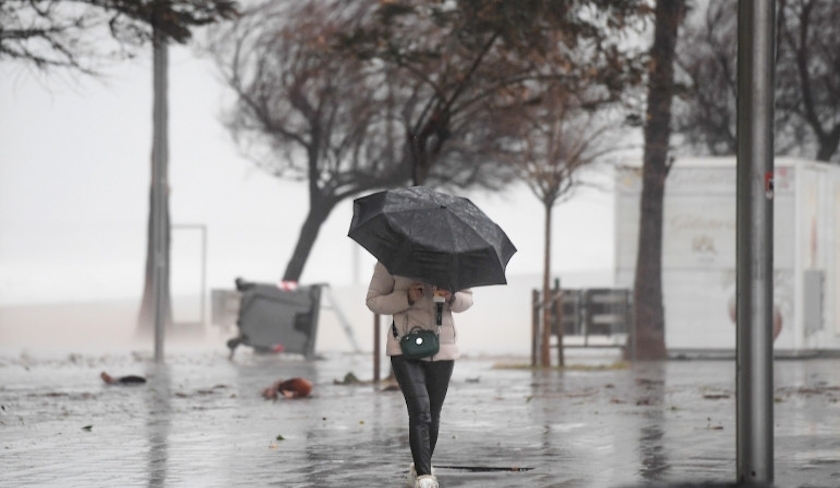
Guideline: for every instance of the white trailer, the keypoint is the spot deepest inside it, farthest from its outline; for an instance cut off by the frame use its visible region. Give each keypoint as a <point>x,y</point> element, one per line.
<point>698,256</point>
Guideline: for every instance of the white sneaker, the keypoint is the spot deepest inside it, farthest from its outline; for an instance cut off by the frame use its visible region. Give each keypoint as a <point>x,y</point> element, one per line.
<point>427,481</point>
<point>411,481</point>
<point>412,476</point>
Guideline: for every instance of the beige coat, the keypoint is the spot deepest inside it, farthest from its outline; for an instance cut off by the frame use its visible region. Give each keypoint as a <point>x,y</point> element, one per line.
<point>388,295</point>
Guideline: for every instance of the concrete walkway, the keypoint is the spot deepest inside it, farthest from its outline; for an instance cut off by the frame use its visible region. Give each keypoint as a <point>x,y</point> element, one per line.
<point>200,422</point>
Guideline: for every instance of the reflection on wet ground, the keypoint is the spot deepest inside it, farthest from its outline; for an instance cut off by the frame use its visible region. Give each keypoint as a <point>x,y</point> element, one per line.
<point>200,421</point>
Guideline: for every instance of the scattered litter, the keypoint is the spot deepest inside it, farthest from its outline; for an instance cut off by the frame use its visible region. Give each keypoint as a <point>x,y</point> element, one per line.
<point>349,379</point>
<point>122,380</point>
<point>292,388</point>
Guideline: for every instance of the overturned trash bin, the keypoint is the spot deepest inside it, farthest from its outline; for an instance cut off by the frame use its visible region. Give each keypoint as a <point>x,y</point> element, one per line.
<point>276,318</point>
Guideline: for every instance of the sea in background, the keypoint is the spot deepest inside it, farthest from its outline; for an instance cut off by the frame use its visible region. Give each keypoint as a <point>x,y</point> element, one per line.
<point>498,324</point>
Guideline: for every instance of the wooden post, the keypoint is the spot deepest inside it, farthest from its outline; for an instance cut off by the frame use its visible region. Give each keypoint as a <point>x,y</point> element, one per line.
<point>557,310</point>
<point>535,327</point>
<point>376,347</point>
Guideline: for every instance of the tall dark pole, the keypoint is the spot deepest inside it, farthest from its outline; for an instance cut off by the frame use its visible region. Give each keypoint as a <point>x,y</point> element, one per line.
<point>160,190</point>
<point>754,237</point>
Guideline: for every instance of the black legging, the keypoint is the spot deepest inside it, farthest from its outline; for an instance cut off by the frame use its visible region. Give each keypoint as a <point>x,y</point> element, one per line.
<point>424,385</point>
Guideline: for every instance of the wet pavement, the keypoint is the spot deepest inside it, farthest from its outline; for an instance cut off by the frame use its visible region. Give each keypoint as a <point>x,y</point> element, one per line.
<point>200,422</point>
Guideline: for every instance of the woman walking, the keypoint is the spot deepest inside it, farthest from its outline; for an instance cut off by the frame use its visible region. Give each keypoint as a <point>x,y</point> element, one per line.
<point>423,382</point>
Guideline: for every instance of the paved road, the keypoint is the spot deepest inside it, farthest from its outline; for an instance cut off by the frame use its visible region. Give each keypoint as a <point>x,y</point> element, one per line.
<point>200,422</point>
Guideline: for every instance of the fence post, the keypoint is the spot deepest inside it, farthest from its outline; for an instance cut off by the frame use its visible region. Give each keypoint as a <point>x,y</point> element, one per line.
<point>376,348</point>
<point>557,311</point>
<point>535,328</point>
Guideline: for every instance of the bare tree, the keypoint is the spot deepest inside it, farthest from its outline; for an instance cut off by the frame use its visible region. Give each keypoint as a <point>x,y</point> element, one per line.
<point>304,111</point>
<point>807,114</point>
<point>707,55</point>
<point>363,121</point>
<point>559,136</point>
<point>82,35</point>
<point>465,56</point>
<point>808,77</point>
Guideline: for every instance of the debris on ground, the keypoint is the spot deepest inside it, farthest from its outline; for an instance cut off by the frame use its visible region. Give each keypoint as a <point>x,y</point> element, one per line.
<point>349,379</point>
<point>291,388</point>
<point>122,380</point>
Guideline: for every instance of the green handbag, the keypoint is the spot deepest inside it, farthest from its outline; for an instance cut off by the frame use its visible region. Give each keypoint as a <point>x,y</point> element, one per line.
<point>419,343</point>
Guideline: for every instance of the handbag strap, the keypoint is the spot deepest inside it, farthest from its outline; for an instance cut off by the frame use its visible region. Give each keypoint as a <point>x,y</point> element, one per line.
<point>396,334</point>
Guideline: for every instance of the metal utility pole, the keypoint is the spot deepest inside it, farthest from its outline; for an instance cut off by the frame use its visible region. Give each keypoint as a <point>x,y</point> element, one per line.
<point>754,237</point>
<point>160,190</point>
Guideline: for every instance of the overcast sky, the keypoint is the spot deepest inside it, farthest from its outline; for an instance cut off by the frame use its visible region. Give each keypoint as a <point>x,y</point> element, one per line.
<point>74,182</point>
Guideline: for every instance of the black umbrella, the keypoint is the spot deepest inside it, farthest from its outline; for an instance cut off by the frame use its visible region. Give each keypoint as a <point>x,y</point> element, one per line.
<point>432,237</point>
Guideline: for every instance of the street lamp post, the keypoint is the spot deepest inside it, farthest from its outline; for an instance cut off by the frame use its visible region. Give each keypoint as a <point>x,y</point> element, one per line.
<point>754,242</point>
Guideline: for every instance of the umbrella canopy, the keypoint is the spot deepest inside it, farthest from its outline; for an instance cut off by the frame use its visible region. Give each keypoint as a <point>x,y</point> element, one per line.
<point>432,237</point>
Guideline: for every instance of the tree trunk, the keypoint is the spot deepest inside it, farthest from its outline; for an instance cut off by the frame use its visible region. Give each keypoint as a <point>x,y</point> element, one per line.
<point>157,238</point>
<point>648,311</point>
<point>545,303</point>
<point>318,213</point>
<point>146,315</point>
<point>419,159</point>
<point>828,144</point>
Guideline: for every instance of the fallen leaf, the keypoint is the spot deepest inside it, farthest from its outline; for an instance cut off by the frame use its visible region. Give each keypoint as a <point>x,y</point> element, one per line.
<point>87,427</point>
<point>280,438</point>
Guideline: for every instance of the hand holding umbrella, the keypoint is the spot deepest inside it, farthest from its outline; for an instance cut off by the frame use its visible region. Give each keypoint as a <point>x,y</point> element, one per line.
<point>415,292</point>
<point>440,296</point>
